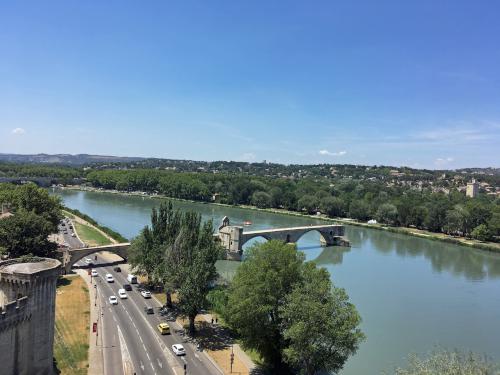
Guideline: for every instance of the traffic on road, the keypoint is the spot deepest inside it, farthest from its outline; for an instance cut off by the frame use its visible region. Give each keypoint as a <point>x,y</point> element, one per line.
<point>138,335</point>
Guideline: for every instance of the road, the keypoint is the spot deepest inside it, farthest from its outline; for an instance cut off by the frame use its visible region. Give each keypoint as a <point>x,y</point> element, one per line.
<point>130,339</point>
<point>67,235</point>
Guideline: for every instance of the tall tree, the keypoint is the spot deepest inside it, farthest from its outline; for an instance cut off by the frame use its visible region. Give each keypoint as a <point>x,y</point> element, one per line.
<point>320,324</point>
<point>272,285</point>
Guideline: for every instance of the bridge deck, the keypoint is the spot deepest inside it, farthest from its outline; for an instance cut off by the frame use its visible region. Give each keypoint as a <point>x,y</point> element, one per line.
<point>306,227</point>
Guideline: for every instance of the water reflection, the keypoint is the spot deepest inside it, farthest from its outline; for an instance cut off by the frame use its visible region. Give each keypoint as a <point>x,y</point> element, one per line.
<point>471,263</point>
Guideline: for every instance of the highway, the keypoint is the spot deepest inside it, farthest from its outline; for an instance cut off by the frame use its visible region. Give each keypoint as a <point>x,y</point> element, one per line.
<point>130,339</point>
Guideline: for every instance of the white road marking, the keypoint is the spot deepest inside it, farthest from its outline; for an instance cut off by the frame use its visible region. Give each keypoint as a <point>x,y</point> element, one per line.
<point>159,363</point>
<point>128,367</point>
<point>142,365</point>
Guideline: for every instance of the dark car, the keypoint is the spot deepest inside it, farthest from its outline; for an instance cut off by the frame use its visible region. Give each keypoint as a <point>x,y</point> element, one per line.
<point>127,287</point>
<point>148,310</point>
<point>117,269</point>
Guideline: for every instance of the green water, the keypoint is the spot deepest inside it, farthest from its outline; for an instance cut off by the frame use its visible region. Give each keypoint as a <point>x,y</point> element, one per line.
<point>413,294</point>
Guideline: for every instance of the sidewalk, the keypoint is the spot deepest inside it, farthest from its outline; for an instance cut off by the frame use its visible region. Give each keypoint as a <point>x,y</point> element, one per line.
<point>96,360</point>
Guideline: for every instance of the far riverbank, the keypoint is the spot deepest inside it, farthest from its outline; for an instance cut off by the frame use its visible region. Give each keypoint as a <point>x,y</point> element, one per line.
<point>488,246</point>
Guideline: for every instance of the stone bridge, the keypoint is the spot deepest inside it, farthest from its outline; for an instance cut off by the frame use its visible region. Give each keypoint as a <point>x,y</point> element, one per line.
<point>234,237</point>
<point>71,256</point>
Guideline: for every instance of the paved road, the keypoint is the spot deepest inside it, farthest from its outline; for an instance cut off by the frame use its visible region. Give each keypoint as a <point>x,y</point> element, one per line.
<point>131,342</point>
<point>66,232</point>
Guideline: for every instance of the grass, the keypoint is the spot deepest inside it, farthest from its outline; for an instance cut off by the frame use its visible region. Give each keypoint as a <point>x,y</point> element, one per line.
<point>71,338</point>
<point>90,236</point>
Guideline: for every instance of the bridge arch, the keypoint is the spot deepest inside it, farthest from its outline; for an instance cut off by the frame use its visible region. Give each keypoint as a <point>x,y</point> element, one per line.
<point>254,237</point>
<point>326,237</point>
<point>74,255</point>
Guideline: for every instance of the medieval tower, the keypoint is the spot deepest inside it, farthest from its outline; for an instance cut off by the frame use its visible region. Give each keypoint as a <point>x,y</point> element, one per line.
<point>27,315</point>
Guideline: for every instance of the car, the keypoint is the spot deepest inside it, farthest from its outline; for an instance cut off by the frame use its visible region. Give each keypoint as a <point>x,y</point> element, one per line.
<point>117,269</point>
<point>127,287</point>
<point>94,273</point>
<point>88,261</point>
<point>73,235</point>
<point>122,293</point>
<point>109,278</point>
<point>148,310</point>
<point>178,349</point>
<point>146,293</point>
<point>113,300</point>
<point>164,328</point>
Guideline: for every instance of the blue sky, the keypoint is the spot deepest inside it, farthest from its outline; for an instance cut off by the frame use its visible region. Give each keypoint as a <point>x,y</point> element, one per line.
<point>366,82</point>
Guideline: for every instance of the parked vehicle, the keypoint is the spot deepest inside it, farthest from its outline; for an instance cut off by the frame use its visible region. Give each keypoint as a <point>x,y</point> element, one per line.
<point>164,328</point>
<point>132,279</point>
<point>110,278</point>
<point>117,269</point>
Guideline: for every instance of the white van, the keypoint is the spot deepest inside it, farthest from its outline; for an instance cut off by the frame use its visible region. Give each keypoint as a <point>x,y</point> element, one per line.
<point>132,279</point>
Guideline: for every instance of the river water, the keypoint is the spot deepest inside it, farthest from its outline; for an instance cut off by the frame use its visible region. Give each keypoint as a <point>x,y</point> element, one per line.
<point>413,294</point>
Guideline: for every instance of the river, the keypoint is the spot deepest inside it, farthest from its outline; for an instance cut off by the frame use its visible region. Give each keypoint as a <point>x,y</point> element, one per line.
<point>413,294</point>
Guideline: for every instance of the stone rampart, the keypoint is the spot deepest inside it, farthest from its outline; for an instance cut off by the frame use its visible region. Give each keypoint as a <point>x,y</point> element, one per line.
<point>27,315</point>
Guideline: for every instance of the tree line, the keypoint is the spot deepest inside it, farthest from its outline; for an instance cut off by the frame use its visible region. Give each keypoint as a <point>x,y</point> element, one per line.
<point>451,213</point>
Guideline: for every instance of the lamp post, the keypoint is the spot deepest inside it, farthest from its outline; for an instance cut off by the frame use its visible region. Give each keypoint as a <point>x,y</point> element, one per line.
<point>232,358</point>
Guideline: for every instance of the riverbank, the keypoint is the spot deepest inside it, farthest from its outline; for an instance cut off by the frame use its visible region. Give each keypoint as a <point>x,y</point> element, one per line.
<point>488,246</point>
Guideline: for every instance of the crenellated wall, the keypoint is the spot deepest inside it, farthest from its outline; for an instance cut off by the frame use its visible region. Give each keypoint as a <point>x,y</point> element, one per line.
<point>27,315</point>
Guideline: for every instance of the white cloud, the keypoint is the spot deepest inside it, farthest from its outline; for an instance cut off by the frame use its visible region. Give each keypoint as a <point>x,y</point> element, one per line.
<point>328,153</point>
<point>248,156</point>
<point>18,131</point>
<point>441,162</point>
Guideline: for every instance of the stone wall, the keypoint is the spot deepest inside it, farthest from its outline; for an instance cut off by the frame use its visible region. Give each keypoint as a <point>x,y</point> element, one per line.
<point>27,300</point>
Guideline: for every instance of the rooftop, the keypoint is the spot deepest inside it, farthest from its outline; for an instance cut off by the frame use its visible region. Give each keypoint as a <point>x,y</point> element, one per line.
<point>16,266</point>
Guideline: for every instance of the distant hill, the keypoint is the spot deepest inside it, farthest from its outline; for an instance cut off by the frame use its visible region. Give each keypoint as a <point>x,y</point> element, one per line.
<point>262,169</point>
<point>66,159</point>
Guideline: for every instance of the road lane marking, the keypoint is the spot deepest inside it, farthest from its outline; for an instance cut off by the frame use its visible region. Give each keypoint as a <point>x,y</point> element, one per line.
<point>128,367</point>
<point>159,363</point>
<point>172,361</point>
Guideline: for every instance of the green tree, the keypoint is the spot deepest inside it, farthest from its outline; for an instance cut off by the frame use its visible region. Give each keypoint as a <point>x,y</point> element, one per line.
<point>308,203</point>
<point>26,233</point>
<point>261,199</point>
<point>272,285</point>
<point>332,206</point>
<point>387,213</point>
<point>256,294</point>
<point>359,210</point>
<point>481,233</point>
<point>195,253</point>
<point>320,324</point>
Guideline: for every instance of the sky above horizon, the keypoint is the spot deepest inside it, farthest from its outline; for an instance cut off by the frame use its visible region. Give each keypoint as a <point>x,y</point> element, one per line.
<point>362,82</point>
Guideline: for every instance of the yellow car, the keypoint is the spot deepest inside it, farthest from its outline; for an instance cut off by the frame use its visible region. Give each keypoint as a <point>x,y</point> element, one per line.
<point>164,328</point>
